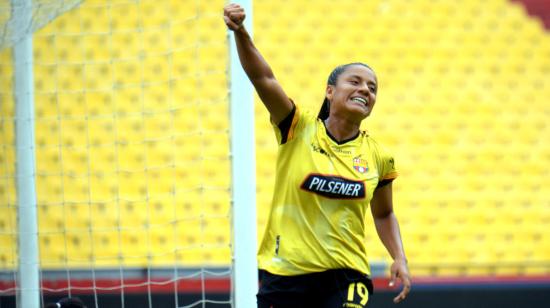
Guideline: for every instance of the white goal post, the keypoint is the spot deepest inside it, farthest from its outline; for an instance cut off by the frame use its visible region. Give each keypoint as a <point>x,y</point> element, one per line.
<point>28,274</point>
<point>245,273</point>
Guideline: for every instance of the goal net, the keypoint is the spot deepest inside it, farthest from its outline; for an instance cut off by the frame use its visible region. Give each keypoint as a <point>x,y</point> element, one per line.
<point>132,152</point>
<point>14,27</point>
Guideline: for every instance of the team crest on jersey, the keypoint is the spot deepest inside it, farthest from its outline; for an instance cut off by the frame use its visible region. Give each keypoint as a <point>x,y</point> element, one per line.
<point>361,165</point>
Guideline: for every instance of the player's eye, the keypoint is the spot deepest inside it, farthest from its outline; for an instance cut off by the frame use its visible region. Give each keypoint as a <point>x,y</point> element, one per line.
<point>372,87</point>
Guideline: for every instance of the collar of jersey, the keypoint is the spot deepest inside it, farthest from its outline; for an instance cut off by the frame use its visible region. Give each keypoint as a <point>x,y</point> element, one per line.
<point>334,139</point>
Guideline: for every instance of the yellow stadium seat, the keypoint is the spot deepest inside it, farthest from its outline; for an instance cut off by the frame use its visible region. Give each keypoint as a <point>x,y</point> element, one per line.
<point>46,105</point>
<point>162,210</point>
<point>216,203</point>
<point>133,214</point>
<point>187,204</point>
<point>44,83</point>
<point>190,231</point>
<point>98,76</point>
<point>69,102</point>
<point>52,249</point>
<point>125,16</point>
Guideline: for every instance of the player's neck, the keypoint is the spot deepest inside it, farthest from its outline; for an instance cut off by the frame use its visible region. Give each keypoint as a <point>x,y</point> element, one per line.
<point>342,129</point>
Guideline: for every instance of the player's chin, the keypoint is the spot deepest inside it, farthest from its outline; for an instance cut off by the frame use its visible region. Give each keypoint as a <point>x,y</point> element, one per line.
<point>360,116</point>
<point>360,112</point>
<point>363,112</point>
<point>368,110</point>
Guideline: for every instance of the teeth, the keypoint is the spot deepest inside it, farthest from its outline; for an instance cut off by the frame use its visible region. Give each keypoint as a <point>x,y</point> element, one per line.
<point>360,100</point>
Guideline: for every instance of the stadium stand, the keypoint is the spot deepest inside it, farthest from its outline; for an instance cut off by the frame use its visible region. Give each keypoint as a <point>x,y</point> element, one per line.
<point>462,104</point>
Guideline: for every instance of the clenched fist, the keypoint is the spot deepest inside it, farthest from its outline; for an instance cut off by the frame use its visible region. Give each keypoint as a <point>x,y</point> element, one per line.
<point>233,15</point>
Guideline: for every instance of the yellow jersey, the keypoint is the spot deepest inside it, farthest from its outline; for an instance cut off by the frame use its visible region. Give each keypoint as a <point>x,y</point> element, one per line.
<point>321,197</point>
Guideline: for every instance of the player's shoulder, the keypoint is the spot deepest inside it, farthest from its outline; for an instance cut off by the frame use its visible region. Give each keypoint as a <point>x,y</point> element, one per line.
<point>304,118</point>
<point>306,115</point>
<point>373,144</point>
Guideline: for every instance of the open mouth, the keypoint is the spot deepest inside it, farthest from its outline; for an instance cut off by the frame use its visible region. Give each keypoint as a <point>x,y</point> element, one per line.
<point>360,100</point>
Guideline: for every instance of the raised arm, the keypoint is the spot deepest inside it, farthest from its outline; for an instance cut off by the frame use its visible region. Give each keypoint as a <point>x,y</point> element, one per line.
<point>387,228</point>
<point>256,68</point>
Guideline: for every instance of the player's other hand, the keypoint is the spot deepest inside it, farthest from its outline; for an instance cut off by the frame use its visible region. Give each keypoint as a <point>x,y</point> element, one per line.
<point>399,270</point>
<point>233,15</point>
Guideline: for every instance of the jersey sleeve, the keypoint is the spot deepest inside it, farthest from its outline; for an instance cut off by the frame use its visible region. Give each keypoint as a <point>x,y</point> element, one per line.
<point>290,126</point>
<point>386,167</point>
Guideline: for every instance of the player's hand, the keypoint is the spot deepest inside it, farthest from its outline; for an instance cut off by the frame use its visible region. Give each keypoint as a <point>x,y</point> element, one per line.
<point>233,15</point>
<point>400,271</point>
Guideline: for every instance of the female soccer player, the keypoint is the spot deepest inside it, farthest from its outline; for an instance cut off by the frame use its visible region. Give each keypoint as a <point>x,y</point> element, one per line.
<point>313,252</point>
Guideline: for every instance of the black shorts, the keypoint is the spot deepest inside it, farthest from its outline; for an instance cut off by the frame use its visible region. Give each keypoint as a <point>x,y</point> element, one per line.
<point>340,288</point>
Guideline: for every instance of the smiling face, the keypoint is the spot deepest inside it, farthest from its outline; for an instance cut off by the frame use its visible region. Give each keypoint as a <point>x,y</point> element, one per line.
<point>354,94</point>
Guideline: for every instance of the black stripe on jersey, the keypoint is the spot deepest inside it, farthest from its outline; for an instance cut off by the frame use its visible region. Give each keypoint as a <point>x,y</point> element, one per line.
<point>342,141</point>
<point>286,124</point>
<point>334,187</point>
<point>384,182</point>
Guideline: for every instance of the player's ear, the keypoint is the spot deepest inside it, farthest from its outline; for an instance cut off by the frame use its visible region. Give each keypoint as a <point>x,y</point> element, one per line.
<point>329,93</point>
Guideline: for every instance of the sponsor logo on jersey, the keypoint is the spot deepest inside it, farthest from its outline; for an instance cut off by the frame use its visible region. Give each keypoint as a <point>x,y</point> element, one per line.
<point>335,187</point>
<point>317,148</point>
<point>360,165</point>
<point>337,149</point>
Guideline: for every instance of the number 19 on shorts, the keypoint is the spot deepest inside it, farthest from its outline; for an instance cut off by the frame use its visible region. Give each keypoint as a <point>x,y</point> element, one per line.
<point>360,290</point>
